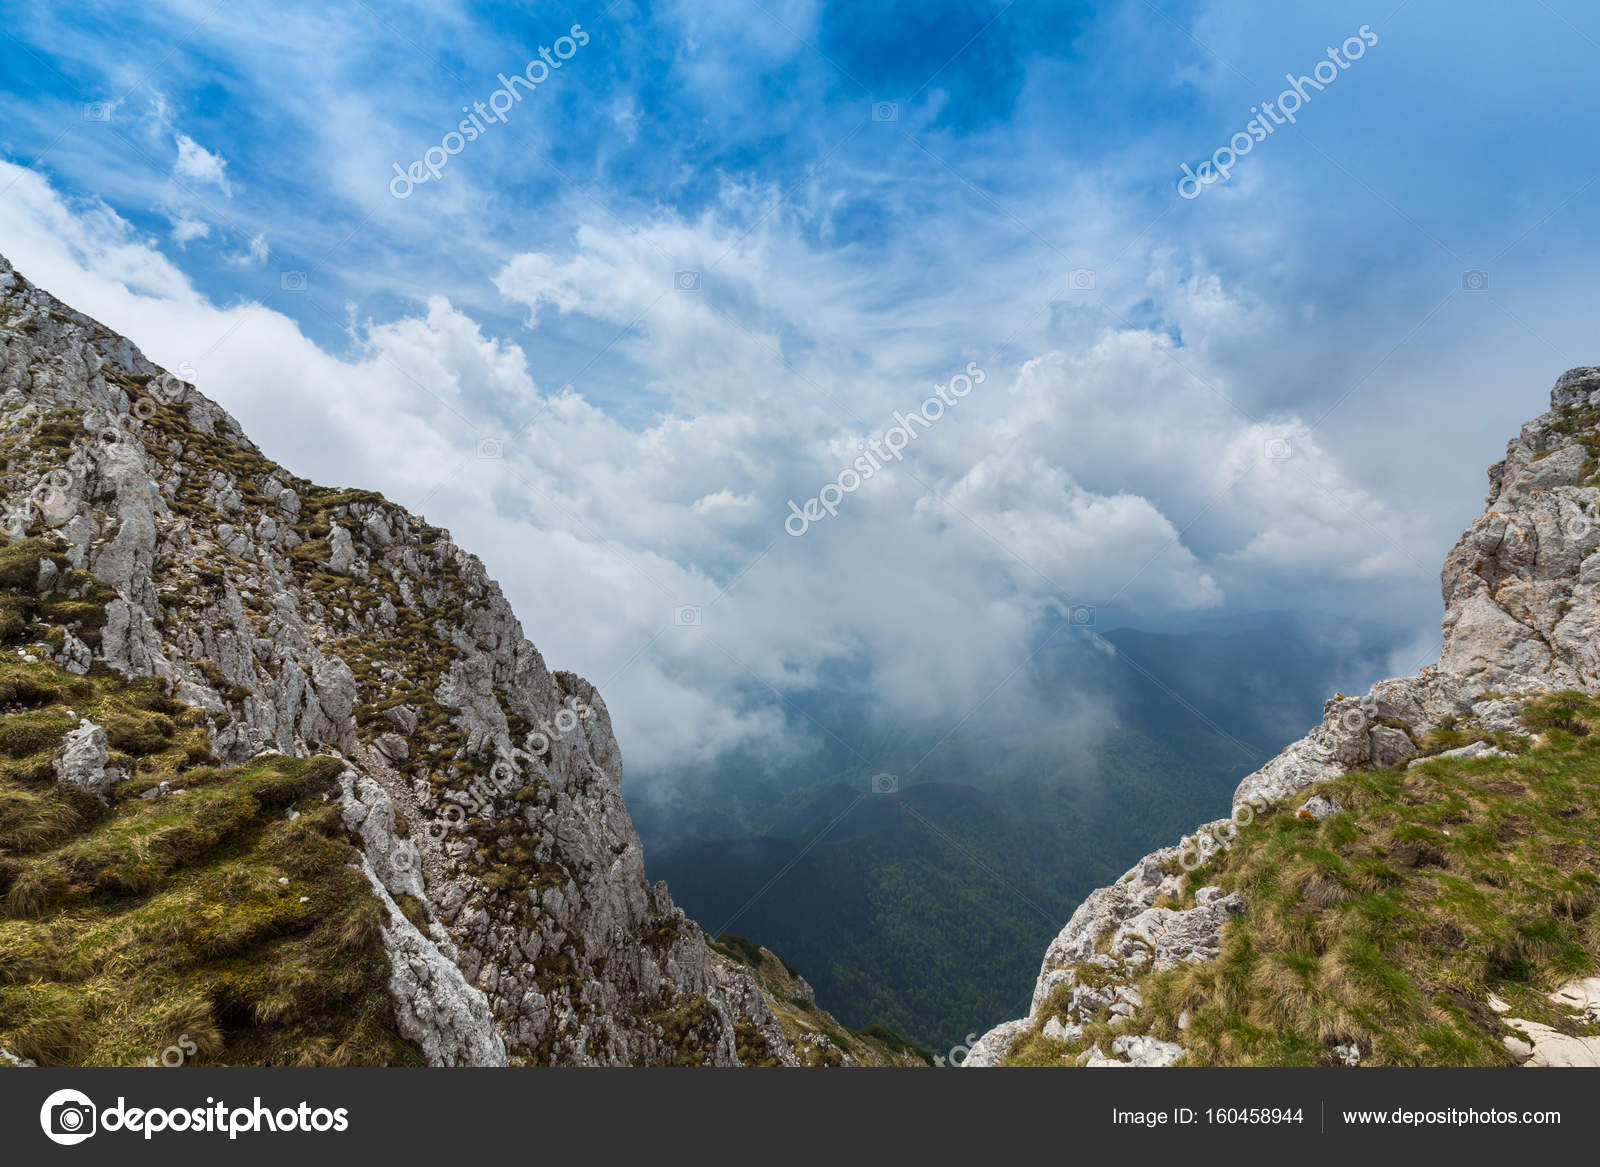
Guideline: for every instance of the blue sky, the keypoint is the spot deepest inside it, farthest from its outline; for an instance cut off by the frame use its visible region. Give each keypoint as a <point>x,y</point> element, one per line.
<point>871,197</point>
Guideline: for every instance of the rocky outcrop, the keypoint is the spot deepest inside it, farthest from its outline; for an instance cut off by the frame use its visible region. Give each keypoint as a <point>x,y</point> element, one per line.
<point>1538,1044</point>
<point>1522,608</point>
<point>81,760</point>
<point>484,789</point>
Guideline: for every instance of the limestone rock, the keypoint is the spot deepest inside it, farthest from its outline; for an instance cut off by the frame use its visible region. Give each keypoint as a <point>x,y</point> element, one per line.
<point>575,959</point>
<point>1165,938</point>
<point>1472,750</point>
<point>1319,808</point>
<point>434,1004</point>
<point>81,760</point>
<point>1056,1031</point>
<point>1146,1051</point>
<point>392,746</point>
<point>992,1047</point>
<point>344,552</point>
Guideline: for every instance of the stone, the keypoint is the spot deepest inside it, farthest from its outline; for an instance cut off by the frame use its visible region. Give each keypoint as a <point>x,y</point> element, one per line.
<point>1390,746</point>
<point>81,760</point>
<point>1547,1046</point>
<point>343,554</point>
<point>403,718</point>
<point>392,746</point>
<point>75,656</point>
<point>1581,997</point>
<point>1517,1047</point>
<point>1056,1031</point>
<point>990,1049</point>
<point>435,1006</point>
<point>1318,807</point>
<point>1146,1051</point>
<point>1471,750</point>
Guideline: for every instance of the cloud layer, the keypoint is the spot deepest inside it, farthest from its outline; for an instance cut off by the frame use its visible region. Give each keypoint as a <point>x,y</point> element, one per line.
<point>723,252</point>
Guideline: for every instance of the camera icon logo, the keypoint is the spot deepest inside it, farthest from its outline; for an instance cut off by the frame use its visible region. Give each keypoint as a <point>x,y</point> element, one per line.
<point>490,449</point>
<point>292,281</point>
<point>1081,615</point>
<point>1475,280</point>
<point>886,111</point>
<point>884,784</point>
<point>97,111</point>
<point>68,1117</point>
<point>686,281</point>
<point>1081,279</point>
<point>687,616</point>
<point>1276,449</point>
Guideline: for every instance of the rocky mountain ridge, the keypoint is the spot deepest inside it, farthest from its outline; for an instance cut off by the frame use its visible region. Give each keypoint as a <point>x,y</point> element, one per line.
<point>1522,612</point>
<point>480,789</point>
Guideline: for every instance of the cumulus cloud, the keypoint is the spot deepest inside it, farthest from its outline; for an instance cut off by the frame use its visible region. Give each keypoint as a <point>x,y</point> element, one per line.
<point>1043,488</point>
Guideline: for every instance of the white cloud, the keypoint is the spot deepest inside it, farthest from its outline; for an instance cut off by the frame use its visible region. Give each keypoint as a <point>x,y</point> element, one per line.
<point>186,230</point>
<point>1066,479</point>
<point>200,166</point>
<point>254,254</point>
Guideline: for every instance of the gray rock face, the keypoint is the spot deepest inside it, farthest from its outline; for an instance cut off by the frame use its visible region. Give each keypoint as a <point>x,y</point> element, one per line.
<point>1165,938</point>
<point>434,1005</point>
<point>1137,1050</point>
<point>991,1048</point>
<point>1520,603</point>
<point>1521,591</point>
<point>392,746</point>
<point>81,760</point>
<point>1474,750</point>
<point>305,619</point>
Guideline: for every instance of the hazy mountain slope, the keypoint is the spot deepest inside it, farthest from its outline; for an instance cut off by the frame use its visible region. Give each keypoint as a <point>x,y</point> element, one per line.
<point>280,618</point>
<point>1356,909</point>
<point>926,909</point>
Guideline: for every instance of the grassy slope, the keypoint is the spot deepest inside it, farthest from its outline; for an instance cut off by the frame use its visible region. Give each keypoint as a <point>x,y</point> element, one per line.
<point>1388,923</point>
<point>133,927</point>
<point>802,1020</point>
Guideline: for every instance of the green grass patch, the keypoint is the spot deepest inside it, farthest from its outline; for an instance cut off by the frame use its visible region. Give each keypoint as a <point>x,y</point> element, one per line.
<point>1387,924</point>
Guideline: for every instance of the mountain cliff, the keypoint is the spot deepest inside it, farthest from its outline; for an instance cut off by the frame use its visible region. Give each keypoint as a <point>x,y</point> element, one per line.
<point>280,774</point>
<point>1425,863</point>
